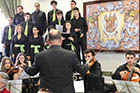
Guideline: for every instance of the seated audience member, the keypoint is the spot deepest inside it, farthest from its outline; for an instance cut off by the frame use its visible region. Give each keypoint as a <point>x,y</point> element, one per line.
<point>93,81</point>
<point>122,71</point>
<point>7,36</point>
<point>3,82</point>
<point>35,44</point>
<point>69,37</point>
<point>7,66</point>
<point>43,90</point>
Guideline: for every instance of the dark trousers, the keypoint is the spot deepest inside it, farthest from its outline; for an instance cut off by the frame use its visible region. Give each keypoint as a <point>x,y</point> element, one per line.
<point>7,50</point>
<point>81,44</point>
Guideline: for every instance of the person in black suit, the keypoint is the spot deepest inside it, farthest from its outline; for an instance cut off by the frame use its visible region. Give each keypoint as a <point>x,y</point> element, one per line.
<point>52,14</point>
<point>19,17</point>
<point>93,82</point>
<point>38,18</point>
<point>69,14</point>
<point>80,27</point>
<point>7,36</point>
<point>56,66</point>
<point>27,25</point>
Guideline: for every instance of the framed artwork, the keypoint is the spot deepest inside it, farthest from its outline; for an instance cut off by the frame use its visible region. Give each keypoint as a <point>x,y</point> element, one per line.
<point>113,25</point>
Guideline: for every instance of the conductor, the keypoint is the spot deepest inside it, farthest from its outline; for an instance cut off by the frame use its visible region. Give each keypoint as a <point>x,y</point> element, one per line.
<point>56,66</point>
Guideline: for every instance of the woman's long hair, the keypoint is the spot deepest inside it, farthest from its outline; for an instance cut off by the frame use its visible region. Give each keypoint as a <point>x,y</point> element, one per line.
<point>3,63</point>
<point>17,59</point>
<point>22,33</point>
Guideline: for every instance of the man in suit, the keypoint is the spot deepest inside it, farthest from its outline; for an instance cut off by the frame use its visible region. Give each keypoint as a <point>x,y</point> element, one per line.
<point>52,14</point>
<point>27,25</point>
<point>69,14</point>
<point>7,36</point>
<point>56,66</point>
<point>19,17</point>
<point>38,18</point>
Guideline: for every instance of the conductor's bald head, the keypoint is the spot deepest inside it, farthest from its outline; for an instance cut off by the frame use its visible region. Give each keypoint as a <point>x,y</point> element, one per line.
<point>54,37</point>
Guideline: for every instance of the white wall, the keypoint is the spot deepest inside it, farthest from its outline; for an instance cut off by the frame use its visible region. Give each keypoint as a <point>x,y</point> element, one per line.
<point>108,60</point>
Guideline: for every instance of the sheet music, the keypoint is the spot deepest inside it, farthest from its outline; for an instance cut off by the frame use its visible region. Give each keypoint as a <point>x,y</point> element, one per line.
<point>79,86</point>
<point>59,27</point>
<point>14,86</point>
<point>127,86</point>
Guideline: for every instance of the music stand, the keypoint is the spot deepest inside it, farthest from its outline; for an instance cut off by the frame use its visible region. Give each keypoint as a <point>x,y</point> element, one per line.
<point>127,86</point>
<point>14,86</point>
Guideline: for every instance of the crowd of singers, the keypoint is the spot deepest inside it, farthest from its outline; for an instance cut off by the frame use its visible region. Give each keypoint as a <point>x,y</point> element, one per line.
<point>23,40</point>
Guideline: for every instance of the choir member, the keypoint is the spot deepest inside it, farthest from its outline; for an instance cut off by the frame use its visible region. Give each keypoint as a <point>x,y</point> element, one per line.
<point>19,17</point>
<point>80,27</point>
<point>69,37</point>
<point>35,44</point>
<point>59,22</point>
<point>7,36</point>
<point>69,14</point>
<point>27,25</point>
<point>52,14</point>
<point>38,18</point>
<point>19,42</point>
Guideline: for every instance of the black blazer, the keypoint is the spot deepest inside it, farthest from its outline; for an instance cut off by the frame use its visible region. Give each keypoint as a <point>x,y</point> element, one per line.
<point>5,34</point>
<point>56,66</point>
<point>30,28</point>
<point>68,15</point>
<point>18,18</point>
<point>50,14</point>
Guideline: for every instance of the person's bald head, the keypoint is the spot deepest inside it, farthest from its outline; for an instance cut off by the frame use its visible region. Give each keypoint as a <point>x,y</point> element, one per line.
<point>54,35</point>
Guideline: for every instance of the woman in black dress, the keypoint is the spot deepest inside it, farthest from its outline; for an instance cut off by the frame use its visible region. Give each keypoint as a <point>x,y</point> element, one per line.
<point>19,42</point>
<point>69,37</point>
<point>35,44</point>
